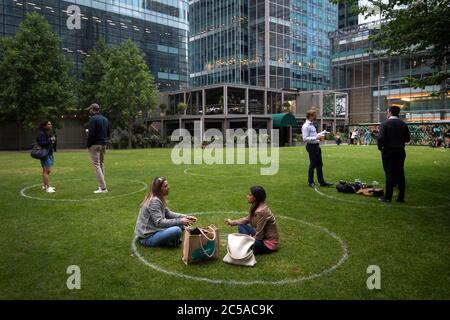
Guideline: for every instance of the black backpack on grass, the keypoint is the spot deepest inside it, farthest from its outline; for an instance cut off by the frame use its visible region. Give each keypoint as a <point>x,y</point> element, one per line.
<point>349,187</point>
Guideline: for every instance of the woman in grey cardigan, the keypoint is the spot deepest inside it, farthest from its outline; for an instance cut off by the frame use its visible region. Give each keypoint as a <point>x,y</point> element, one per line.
<point>156,225</point>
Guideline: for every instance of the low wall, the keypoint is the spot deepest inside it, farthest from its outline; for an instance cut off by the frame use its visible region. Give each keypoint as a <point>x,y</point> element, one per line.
<point>422,134</point>
<point>14,137</point>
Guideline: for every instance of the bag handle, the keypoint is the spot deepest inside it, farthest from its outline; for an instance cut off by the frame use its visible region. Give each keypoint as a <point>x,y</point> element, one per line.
<point>250,252</point>
<point>213,239</point>
<point>203,233</point>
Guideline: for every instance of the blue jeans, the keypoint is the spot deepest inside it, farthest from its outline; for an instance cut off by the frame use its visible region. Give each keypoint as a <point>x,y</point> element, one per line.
<point>163,238</point>
<point>259,247</point>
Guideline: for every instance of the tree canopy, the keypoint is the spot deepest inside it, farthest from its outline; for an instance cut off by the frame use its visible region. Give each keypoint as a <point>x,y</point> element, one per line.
<point>93,70</point>
<point>35,83</point>
<point>127,87</point>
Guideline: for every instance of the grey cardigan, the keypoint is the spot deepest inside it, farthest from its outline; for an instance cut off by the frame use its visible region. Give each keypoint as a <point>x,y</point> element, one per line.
<point>156,217</point>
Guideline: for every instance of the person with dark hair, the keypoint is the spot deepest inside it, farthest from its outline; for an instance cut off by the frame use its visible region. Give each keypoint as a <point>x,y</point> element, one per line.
<point>392,137</point>
<point>156,225</point>
<point>338,138</point>
<point>312,139</point>
<point>260,223</point>
<point>44,141</point>
<point>98,134</point>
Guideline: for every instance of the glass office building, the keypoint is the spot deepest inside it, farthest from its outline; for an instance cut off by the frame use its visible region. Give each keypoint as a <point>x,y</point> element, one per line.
<point>312,20</point>
<point>248,60</point>
<point>373,83</point>
<point>346,15</point>
<point>277,44</point>
<point>159,27</point>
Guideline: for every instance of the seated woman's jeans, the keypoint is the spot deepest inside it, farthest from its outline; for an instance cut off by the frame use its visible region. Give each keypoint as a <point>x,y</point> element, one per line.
<point>259,247</point>
<point>163,238</point>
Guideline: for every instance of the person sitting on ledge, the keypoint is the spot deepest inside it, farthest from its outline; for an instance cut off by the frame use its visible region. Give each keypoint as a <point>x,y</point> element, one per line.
<point>156,225</point>
<point>260,223</point>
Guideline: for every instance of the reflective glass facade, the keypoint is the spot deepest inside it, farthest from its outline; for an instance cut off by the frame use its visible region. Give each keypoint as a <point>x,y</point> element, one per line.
<point>218,41</point>
<point>374,83</point>
<point>346,16</point>
<point>158,27</point>
<point>278,44</point>
<point>312,21</point>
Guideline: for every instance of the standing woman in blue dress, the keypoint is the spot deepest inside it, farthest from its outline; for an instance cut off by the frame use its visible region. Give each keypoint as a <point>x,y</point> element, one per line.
<point>44,141</point>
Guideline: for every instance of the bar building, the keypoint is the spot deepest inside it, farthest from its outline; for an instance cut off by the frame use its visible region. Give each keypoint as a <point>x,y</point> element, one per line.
<point>250,59</point>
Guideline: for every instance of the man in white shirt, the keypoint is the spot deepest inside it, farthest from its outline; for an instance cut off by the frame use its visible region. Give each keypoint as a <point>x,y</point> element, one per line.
<point>312,139</point>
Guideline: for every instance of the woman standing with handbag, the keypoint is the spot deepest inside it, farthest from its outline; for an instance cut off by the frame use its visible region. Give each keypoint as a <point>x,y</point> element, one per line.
<point>44,141</point>
<point>260,223</point>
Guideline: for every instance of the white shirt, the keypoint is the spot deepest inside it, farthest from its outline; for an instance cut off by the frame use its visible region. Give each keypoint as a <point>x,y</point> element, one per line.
<point>309,133</point>
<point>393,117</point>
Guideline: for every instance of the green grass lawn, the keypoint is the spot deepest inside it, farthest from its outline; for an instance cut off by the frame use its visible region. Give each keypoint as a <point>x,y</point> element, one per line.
<point>42,234</point>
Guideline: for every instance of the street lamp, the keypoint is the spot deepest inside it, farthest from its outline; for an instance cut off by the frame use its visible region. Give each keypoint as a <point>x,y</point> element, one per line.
<point>379,96</point>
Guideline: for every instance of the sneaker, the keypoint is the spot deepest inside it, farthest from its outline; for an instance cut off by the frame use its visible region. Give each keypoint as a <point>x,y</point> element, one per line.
<point>326,184</point>
<point>384,200</point>
<point>100,190</point>
<point>50,190</point>
<point>311,185</point>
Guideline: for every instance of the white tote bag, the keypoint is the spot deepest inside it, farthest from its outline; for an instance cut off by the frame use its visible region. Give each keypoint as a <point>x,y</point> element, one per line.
<point>240,250</point>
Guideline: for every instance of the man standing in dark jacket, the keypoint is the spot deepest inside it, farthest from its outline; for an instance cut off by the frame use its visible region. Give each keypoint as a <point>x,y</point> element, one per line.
<point>98,133</point>
<point>392,137</point>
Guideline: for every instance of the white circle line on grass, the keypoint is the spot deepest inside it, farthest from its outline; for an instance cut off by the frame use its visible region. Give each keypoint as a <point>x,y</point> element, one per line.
<point>342,259</point>
<point>375,204</point>
<point>186,171</point>
<point>23,192</point>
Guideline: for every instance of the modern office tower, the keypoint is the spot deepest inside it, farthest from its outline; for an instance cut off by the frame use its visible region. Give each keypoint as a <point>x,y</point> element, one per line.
<point>158,27</point>
<point>312,20</point>
<point>346,15</point>
<point>277,44</point>
<point>373,83</point>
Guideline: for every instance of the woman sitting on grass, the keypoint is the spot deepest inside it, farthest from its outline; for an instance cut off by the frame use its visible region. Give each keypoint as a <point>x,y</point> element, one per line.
<point>260,223</point>
<point>156,225</point>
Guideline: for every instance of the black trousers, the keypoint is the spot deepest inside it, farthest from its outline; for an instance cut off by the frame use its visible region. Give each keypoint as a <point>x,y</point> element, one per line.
<point>315,162</point>
<point>393,164</point>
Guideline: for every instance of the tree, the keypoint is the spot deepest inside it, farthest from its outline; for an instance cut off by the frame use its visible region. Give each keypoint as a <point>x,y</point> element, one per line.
<point>286,107</point>
<point>181,107</point>
<point>414,27</point>
<point>93,70</point>
<point>127,87</point>
<point>35,83</point>
<point>163,108</point>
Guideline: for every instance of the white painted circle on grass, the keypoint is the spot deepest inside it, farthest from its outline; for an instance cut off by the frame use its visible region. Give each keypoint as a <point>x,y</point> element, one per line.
<point>23,192</point>
<point>341,260</point>
<point>375,203</point>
